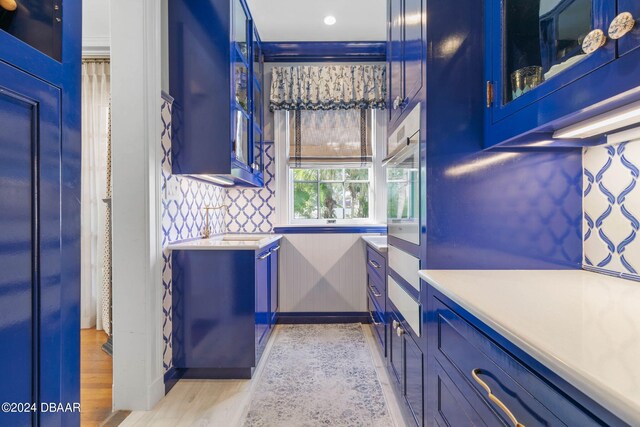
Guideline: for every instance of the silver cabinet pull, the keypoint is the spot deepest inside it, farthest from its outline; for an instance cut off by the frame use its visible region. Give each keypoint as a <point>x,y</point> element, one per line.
<point>373,264</point>
<point>374,320</point>
<point>621,25</point>
<point>399,331</point>
<point>375,291</point>
<point>276,249</point>
<point>493,398</point>
<point>265,256</point>
<point>395,324</point>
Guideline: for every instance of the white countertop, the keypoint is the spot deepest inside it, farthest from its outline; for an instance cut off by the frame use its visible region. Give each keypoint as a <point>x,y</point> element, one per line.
<point>583,326</point>
<point>225,242</point>
<point>378,242</point>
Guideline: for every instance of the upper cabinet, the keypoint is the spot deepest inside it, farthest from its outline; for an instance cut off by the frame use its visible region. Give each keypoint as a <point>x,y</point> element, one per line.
<point>405,56</point>
<point>216,73</point>
<point>546,60</point>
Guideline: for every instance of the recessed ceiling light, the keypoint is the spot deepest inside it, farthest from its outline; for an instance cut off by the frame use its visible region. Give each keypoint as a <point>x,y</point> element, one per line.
<point>329,20</point>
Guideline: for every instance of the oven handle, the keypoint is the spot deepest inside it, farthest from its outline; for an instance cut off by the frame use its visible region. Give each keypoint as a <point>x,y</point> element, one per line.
<point>398,154</point>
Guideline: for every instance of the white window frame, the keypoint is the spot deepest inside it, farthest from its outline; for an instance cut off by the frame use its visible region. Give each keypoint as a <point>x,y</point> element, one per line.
<point>284,176</point>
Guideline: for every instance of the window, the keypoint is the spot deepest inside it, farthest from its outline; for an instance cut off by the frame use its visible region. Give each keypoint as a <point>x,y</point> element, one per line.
<point>330,162</point>
<point>330,193</point>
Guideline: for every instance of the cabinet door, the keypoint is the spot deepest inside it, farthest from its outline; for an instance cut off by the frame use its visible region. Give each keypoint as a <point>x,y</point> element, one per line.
<point>414,375</point>
<point>273,284</point>
<point>262,296</point>
<point>630,41</point>
<point>537,47</point>
<point>396,351</point>
<point>395,61</point>
<point>414,49</point>
<point>30,242</point>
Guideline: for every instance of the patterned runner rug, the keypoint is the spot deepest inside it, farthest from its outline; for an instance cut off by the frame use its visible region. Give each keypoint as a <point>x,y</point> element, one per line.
<point>319,375</point>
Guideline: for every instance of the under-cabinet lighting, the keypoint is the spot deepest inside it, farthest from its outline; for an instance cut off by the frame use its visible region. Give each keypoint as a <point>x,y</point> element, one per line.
<point>214,179</point>
<point>329,20</point>
<point>612,120</point>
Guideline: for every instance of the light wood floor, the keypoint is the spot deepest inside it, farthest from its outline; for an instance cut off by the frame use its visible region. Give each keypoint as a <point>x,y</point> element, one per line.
<point>96,377</point>
<point>226,402</point>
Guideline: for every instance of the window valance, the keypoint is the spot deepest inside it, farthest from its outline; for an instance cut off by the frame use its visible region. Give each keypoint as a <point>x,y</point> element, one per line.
<point>335,87</point>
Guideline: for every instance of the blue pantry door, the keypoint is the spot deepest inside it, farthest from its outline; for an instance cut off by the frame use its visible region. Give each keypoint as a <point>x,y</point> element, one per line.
<point>29,243</point>
<point>40,213</point>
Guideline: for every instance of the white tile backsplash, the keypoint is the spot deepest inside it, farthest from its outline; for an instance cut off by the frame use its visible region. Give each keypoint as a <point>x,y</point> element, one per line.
<point>611,209</point>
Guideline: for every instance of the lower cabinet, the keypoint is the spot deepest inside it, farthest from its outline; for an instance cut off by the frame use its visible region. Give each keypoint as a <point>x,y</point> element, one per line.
<point>224,309</point>
<point>475,381</point>
<point>406,363</point>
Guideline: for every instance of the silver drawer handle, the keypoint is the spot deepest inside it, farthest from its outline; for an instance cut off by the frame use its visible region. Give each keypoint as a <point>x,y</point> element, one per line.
<point>265,256</point>
<point>374,320</point>
<point>395,324</point>
<point>373,264</point>
<point>399,331</point>
<point>494,399</point>
<point>276,249</point>
<point>375,291</point>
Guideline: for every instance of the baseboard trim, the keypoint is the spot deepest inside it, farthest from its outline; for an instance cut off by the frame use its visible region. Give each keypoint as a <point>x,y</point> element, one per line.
<point>305,318</point>
<point>171,378</point>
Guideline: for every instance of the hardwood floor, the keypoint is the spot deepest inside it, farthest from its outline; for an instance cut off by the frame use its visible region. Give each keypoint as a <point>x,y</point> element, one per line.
<point>226,402</point>
<point>96,377</point>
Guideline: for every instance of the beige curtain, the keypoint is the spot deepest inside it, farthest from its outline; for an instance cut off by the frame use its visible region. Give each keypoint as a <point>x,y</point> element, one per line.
<point>95,116</point>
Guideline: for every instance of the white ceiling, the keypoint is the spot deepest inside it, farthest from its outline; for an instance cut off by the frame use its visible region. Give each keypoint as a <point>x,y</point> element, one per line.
<point>302,20</point>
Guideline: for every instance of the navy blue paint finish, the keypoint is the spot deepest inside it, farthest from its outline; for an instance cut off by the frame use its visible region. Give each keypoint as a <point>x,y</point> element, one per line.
<point>324,51</point>
<point>221,311</point>
<point>40,220</point>
<point>202,58</point>
<point>321,317</point>
<point>605,80</point>
<point>484,210</point>
<point>329,229</point>
<point>463,331</point>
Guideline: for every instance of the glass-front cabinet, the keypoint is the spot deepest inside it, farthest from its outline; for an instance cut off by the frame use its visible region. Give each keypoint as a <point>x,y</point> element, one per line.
<point>539,47</point>
<point>216,72</point>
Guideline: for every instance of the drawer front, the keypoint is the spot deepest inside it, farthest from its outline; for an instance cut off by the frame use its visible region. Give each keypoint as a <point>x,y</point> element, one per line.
<point>408,307</point>
<point>376,289</point>
<point>376,264</point>
<point>407,266</point>
<point>452,408</point>
<point>530,400</point>
<point>378,325</point>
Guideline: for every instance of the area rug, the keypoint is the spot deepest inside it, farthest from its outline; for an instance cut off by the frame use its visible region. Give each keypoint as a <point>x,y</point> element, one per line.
<point>319,375</point>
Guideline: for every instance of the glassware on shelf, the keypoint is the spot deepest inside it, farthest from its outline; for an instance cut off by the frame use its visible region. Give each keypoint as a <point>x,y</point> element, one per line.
<point>525,79</point>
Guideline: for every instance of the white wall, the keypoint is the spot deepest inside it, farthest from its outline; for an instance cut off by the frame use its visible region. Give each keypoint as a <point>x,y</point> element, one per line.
<point>96,27</point>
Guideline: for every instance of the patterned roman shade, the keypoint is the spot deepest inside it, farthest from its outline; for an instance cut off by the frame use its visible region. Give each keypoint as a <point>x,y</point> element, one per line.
<point>335,87</point>
<point>330,136</point>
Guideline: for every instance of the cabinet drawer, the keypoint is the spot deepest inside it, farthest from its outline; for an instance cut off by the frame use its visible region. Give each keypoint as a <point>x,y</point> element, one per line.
<point>376,264</point>
<point>452,408</point>
<point>376,290</point>
<point>414,376</point>
<point>408,307</point>
<point>407,266</point>
<point>531,401</point>
<point>378,324</point>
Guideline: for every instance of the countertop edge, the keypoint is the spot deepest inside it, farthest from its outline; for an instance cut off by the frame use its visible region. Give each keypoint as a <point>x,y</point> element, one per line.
<point>258,244</point>
<point>379,248</point>
<point>602,394</point>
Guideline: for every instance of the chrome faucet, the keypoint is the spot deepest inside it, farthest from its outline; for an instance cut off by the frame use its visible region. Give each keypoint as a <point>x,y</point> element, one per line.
<point>206,233</point>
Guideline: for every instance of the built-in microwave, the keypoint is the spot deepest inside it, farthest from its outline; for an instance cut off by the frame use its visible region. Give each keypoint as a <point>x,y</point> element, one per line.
<point>403,180</point>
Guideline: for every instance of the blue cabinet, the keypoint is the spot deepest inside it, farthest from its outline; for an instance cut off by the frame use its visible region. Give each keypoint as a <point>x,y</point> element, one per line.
<point>540,73</point>
<point>376,300</point>
<point>216,67</point>
<point>466,365</point>
<point>223,310</point>
<point>405,56</point>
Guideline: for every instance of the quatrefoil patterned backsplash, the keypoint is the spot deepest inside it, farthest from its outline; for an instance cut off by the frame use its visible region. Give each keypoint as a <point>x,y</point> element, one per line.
<point>611,207</point>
